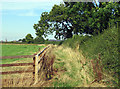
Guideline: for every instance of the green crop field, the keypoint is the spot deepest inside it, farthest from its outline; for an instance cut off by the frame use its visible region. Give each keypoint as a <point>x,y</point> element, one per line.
<point>15,50</point>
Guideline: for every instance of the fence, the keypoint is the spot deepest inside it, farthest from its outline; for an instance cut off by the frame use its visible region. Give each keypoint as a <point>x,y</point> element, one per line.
<point>36,64</point>
<point>37,61</point>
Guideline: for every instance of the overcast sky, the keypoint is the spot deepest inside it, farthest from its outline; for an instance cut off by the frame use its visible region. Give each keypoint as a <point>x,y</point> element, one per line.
<point>18,17</point>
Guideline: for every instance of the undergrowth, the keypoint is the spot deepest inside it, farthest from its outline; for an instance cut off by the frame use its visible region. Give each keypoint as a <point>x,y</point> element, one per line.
<point>73,70</point>
<point>105,45</point>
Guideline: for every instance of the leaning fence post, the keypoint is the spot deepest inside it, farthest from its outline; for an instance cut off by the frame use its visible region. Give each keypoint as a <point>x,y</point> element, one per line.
<point>36,68</point>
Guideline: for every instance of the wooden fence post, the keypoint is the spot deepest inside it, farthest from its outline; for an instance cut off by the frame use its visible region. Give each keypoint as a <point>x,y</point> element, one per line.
<point>36,69</point>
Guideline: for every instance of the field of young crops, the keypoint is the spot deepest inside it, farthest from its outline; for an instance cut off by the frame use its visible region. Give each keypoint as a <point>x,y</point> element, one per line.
<point>17,50</point>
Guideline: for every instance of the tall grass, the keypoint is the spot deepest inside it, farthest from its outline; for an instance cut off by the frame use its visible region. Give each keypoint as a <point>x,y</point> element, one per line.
<point>70,72</point>
<point>75,70</point>
<point>105,44</point>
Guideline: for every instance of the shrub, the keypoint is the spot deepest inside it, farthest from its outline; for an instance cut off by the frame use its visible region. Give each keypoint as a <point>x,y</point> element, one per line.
<point>105,44</point>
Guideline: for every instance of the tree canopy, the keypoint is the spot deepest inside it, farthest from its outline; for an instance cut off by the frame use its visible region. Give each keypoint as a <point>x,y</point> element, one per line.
<point>39,40</point>
<point>77,17</point>
<point>29,38</point>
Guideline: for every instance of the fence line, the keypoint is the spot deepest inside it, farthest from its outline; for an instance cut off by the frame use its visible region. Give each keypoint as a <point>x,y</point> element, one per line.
<point>36,65</point>
<point>14,72</point>
<point>37,61</point>
<point>16,64</point>
<point>13,57</point>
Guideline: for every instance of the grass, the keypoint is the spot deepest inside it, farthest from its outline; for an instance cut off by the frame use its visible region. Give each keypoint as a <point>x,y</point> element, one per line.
<point>73,61</point>
<point>24,79</point>
<point>15,50</point>
<point>75,70</point>
<point>7,61</point>
<point>13,80</point>
<point>70,71</point>
<point>105,44</point>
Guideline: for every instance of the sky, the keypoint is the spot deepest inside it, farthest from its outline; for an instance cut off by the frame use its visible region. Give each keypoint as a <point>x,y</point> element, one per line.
<point>17,17</point>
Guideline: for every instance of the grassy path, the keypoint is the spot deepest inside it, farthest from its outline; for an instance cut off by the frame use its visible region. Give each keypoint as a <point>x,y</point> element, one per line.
<point>74,70</point>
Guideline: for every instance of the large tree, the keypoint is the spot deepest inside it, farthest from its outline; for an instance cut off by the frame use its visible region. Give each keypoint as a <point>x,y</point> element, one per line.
<point>56,21</point>
<point>76,17</point>
<point>42,26</point>
<point>91,19</point>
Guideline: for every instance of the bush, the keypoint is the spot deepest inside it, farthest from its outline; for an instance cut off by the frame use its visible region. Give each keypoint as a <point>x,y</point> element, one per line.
<point>105,44</point>
<point>53,42</point>
<point>39,40</point>
<point>75,40</point>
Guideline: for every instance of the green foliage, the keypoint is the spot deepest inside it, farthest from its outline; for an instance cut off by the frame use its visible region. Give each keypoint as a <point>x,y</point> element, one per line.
<point>76,40</point>
<point>77,17</point>
<point>42,26</point>
<point>53,42</point>
<point>20,40</point>
<point>105,44</point>
<point>39,40</point>
<point>29,38</point>
<point>23,40</point>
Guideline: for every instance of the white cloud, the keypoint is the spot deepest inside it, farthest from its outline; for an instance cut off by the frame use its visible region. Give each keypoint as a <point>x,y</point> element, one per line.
<point>30,13</point>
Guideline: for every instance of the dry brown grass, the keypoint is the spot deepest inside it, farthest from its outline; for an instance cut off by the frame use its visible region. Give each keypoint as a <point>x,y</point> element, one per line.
<point>18,80</point>
<point>26,79</point>
<point>79,70</point>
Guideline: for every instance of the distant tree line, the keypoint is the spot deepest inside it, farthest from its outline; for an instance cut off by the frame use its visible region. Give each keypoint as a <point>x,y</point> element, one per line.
<point>29,39</point>
<point>38,40</point>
